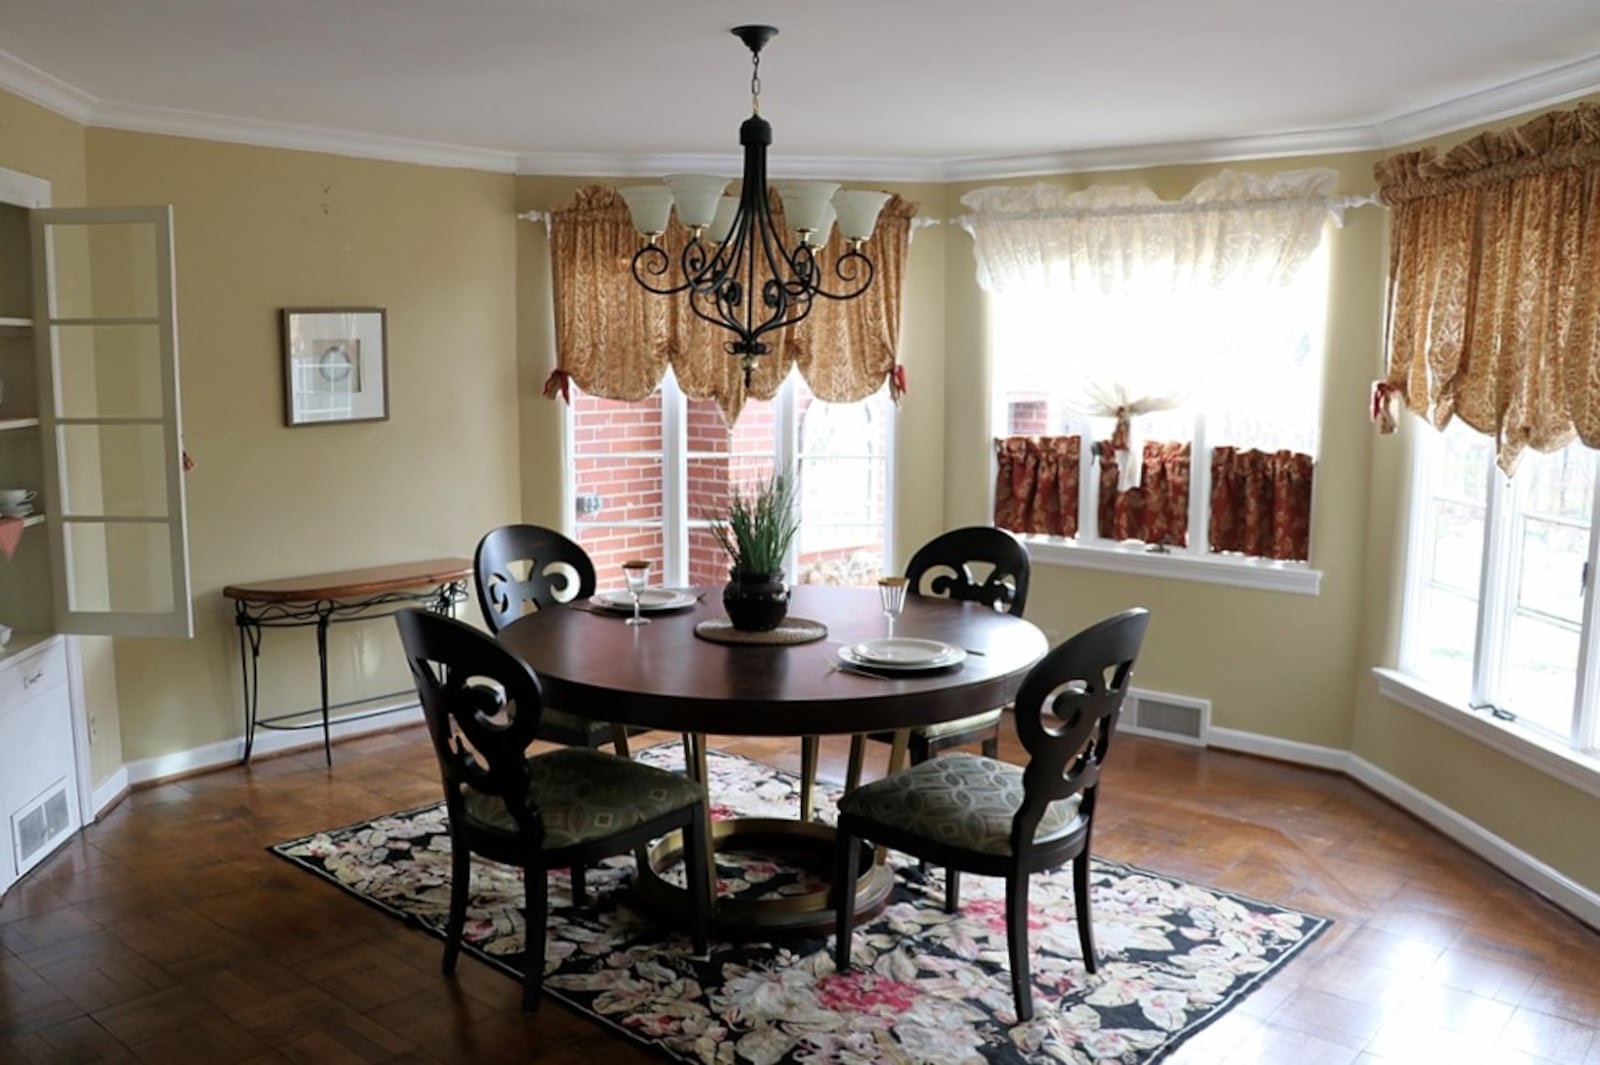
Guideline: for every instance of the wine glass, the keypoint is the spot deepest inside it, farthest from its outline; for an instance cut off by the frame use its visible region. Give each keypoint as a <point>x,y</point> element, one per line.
<point>637,573</point>
<point>892,592</point>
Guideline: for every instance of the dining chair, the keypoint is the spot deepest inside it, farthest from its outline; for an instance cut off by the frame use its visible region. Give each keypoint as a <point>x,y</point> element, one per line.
<point>521,569</point>
<point>570,806</point>
<point>977,814</point>
<point>944,568</point>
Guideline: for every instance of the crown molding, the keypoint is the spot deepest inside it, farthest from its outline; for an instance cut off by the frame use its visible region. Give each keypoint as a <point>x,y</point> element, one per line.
<point>1491,105</point>
<point>578,164</point>
<point>203,126</point>
<point>1545,89</point>
<point>46,90</point>
<point>1132,157</point>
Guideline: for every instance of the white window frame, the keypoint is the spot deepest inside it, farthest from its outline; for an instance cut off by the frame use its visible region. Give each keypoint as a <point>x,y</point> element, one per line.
<point>1577,762</point>
<point>676,520</point>
<point>1192,563</point>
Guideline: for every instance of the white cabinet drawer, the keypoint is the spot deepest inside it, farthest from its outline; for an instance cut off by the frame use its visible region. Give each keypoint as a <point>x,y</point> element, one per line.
<point>32,672</point>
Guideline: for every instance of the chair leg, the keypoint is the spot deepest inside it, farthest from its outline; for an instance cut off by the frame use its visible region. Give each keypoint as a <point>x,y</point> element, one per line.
<point>696,869</point>
<point>580,885</point>
<point>846,869</point>
<point>808,777</point>
<point>952,890</point>
<point>919,747</point>
<point>1080,898</point>
<point>619,740</point>
<point>858,758</point>
<point>460,888</point>
<point>534,920</point>
<point>1017,941</point>
<point>991,744</point>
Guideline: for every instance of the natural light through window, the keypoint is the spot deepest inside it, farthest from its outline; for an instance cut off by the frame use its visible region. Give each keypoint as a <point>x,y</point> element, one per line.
<point>647,475</point>
<point>1499,614</point>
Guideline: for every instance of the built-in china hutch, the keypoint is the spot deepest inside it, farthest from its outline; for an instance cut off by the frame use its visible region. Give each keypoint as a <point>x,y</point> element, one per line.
<point>89,422</point>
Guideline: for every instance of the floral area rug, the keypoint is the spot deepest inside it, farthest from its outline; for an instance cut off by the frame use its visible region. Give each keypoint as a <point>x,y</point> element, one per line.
<point>925,987</point>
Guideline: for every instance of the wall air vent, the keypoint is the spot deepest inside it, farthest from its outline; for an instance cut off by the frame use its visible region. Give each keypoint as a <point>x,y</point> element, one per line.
<point>1162,716</point>
<point>42,824</point>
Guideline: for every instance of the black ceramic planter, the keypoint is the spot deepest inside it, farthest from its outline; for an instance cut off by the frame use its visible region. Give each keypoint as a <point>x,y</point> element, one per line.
<point>756,603</point>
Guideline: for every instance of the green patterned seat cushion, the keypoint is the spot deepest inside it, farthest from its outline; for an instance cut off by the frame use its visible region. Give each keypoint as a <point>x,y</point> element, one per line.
<point>587,795</point>
<point>962,800</point>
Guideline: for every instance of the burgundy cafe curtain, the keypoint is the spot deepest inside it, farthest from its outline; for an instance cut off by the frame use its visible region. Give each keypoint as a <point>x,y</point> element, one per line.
<point>615,340</point>
<point>1261,503</point>
<point>1036,484</point>
<point>1157,511</point>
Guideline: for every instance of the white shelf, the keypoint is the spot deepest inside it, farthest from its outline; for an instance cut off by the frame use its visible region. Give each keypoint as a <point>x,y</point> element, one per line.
<point>17,423</point>
<point>31,520</point>
<point>15,323</point>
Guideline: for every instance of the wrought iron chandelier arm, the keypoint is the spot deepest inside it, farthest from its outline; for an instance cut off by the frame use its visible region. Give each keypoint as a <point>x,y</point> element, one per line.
<point>652,261</point>
<point>852,264</point>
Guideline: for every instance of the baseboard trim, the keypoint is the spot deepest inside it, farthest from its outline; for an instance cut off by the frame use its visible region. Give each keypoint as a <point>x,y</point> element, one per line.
<point>1516,863</point>
<point>111,791</point>
<point>148,771</point>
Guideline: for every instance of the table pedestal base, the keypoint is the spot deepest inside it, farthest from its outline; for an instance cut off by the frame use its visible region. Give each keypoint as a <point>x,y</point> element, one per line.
<point>808,844</point>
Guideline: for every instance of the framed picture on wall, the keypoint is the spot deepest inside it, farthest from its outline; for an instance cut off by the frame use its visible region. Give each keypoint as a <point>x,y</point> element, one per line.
<point>335,365</point>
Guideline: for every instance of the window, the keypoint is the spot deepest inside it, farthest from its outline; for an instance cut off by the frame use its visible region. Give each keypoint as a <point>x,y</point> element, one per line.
<point>648,474</point>
<point>1498,621</point>
<point>1241,369</point>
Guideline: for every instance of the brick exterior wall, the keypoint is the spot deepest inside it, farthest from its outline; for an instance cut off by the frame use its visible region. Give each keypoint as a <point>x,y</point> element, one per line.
<point>623,485</point>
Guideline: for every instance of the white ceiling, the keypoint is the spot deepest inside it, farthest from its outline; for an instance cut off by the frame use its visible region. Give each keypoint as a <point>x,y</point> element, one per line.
<point>886,88</point>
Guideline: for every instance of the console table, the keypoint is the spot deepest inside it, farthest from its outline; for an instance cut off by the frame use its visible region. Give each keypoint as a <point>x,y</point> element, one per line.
<point>327,599</point>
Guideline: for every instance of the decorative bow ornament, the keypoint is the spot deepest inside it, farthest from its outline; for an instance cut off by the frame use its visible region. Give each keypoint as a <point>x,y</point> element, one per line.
<point>1115,402</point>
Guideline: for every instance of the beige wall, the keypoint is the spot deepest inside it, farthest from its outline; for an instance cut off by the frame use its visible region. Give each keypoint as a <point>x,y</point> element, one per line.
<point>258,230</point>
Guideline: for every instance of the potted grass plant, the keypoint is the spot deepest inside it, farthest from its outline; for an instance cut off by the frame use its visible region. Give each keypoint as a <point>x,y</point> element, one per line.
<point>756,533</point>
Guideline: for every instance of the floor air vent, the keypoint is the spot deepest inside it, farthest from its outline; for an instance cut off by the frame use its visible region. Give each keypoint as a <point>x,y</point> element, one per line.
<point>1166,717</point>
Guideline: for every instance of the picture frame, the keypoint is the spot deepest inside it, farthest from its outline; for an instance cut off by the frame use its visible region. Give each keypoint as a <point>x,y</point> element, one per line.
<point>335,365</point>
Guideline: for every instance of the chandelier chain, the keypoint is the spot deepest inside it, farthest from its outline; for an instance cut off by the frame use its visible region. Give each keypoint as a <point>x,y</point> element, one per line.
<point>755,83</point>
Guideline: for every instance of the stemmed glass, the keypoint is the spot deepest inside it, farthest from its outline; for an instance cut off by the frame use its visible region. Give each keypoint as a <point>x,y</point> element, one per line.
<point>637,573</point>
<point>892,592</point>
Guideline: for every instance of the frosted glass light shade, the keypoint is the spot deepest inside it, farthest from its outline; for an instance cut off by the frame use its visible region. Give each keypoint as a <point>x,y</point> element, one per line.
<point>649,205</point>
<point>805,203</point>
<point>858,211</point>
<point>727,207</point>
<point>696,196</point>
<point>820,236</point>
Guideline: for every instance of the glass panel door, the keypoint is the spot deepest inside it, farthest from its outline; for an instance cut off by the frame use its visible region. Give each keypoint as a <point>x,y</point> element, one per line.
<point>105,316</point>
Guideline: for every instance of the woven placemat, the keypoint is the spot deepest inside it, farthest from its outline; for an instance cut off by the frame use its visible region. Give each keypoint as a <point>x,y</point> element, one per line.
<point>791,630</point>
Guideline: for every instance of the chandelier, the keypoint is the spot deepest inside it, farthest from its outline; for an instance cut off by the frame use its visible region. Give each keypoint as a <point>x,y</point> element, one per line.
<point>737,268</point>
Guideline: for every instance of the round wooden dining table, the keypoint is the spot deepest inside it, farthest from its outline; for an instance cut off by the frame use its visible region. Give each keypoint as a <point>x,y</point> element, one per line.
<point>663,676</point>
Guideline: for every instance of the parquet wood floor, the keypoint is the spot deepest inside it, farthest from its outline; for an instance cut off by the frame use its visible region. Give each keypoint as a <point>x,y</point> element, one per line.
<point>166,933</point>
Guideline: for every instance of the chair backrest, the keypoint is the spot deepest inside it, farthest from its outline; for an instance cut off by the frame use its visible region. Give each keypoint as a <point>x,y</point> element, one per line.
<point>528,567</point>
<point>482,706</point>
<point>942,567</point>
<point>1080,686</point>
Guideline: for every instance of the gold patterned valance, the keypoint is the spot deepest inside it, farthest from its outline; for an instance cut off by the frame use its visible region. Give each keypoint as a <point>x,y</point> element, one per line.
<point>1494,306</point>
<point>615,340</point>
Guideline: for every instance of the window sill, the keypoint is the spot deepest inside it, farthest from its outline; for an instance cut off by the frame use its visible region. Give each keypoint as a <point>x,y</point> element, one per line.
<point>1293,577</point>
<point>1580,770</point>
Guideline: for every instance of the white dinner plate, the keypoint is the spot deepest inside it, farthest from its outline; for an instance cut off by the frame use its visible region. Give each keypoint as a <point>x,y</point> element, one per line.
<point>651,600</point>
<point>904,654</point>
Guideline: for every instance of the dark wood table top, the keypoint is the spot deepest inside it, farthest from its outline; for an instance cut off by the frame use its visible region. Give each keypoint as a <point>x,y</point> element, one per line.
<point>663,676</point>
<point>347,584</point>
